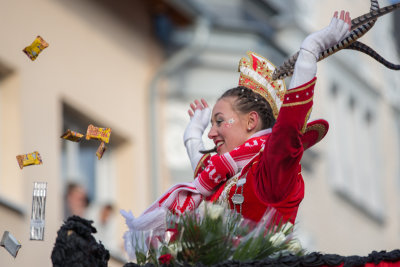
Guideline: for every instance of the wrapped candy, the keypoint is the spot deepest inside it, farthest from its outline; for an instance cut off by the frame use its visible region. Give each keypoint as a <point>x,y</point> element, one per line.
<point>102,134</point>
<point>72,136</point>
<point>35,48</point>
<point>38,210</point>
<point>10,243</point>
<point>100,150</point>
<point>33,158</point>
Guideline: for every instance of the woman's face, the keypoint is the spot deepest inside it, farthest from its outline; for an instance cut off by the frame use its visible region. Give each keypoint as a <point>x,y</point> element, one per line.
<point>228,127</point>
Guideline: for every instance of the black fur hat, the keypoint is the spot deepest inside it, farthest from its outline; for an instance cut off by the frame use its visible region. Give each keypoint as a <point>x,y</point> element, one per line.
<point>76,247</point>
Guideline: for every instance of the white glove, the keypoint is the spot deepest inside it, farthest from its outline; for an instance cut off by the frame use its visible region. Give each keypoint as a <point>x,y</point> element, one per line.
<point>192,137</point>
<point>317,42</point>
<point>142,229</point>
<point>304,70</point>
<point>337,30</point>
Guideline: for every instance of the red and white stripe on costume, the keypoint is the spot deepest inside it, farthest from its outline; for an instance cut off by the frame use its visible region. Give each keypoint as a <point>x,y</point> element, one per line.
<point>188,196</point>
<point>222,167</point>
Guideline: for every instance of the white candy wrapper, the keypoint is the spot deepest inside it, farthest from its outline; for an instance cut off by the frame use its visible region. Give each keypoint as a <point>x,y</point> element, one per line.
<point>38,210</point>
<point>10,243</point>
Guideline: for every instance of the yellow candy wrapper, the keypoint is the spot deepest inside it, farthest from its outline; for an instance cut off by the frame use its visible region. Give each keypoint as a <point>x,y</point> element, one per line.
<point>33,158</point>
<point>102,134</point>
<point>100,151</point>
<point>72,136</point>
<point>35,48</point>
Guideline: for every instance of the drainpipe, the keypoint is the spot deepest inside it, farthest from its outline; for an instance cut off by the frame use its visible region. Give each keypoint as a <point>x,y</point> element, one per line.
<point>174,63</point>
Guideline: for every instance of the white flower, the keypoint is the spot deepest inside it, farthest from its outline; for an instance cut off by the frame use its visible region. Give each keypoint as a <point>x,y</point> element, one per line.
<point>294,246</point>
<point>215,211</point>
<point>287,227</point>
<point>277,239</point>
<point>174,248</point>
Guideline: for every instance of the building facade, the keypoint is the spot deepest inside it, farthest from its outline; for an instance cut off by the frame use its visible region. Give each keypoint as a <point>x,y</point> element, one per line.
<point>101,58</point>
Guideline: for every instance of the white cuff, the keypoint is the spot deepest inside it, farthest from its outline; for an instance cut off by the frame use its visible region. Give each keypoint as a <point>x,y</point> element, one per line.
<point>304,70</point>
<point>193,146</point>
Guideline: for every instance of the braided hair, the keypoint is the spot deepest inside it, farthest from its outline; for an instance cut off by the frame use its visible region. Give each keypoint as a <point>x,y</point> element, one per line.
<point>246,100</point>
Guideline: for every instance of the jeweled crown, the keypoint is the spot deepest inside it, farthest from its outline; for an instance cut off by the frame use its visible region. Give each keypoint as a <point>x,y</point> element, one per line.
<point>256,74</point>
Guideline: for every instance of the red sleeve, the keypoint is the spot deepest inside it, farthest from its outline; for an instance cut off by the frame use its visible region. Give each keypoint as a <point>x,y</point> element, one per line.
<point>277,172</point>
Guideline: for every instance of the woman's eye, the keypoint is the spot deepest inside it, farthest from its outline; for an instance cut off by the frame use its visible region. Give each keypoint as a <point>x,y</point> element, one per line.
<point>218,122</point>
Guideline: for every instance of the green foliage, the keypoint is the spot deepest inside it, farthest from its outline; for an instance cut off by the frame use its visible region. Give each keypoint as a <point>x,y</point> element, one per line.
<point>213,234</point>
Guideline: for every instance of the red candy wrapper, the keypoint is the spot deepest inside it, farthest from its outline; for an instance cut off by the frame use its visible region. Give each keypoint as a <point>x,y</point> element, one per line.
<point>102,134</point>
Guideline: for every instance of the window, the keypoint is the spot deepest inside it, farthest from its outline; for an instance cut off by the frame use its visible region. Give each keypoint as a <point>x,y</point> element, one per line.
<point>89,182</point>
<point>11,190</point>
<point>354,153</point>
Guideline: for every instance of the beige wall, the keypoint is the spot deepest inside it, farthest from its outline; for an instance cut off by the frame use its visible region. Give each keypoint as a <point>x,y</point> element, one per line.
<point>95,64</point>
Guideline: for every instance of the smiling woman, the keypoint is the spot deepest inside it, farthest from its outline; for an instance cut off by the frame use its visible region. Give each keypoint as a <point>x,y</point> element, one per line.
<point>260,131</point>
<point>238,114</point>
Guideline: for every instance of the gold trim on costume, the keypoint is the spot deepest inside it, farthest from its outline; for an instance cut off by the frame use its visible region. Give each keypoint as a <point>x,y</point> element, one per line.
<point>298,103</point>
<point>303,130</point>
<point>224,197</point>
<point>301,88</point>
<point>320,128</point>
<point>261,90</point>
<point>200,164</point>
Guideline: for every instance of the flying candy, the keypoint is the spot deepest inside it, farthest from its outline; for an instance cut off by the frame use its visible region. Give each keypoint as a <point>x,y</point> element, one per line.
<point>72,136</point>
<point>102,134</point>
<point>38,210</point>
<point>35,48</point>
<point>10,243</point>
<point>100,150</point>
<point>33,158</point>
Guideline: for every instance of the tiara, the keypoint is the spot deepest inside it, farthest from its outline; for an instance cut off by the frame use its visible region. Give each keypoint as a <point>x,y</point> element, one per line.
<point>256,74</point>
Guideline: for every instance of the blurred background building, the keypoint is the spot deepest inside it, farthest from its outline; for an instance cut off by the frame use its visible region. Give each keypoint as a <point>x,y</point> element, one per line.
<point>134,66</point>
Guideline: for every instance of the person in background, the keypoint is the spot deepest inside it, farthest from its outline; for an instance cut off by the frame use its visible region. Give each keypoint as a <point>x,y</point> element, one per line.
<point>103,215</point>
<point>76,200</point>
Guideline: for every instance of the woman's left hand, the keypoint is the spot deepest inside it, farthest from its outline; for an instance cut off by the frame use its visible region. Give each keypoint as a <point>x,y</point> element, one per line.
<point>331,35</point>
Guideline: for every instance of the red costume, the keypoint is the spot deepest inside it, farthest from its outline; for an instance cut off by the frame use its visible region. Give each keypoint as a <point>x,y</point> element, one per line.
<point>264,172</point>
<point>272,179</point>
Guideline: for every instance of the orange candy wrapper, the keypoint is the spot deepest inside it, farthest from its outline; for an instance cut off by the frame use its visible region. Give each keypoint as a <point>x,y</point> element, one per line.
<point>100,151</point>
<point>72,136</point>
<point>33,158</point>
<point>35,48</point>
<point>102,134</point>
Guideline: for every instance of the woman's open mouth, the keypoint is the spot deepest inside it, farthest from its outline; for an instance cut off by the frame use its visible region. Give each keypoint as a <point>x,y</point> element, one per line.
<point>214,149</point>
<point>218,144</point>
